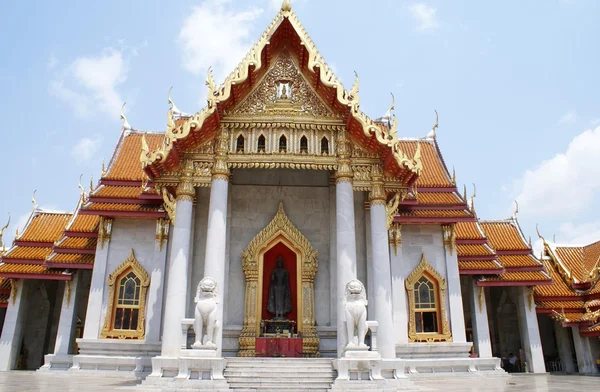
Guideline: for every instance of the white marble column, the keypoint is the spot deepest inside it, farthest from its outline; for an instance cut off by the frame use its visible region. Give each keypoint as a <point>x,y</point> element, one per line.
<point>583,350</point>
<point>332,255</point>
<point>177,276</point>
<point>479,320</point>
<point>398,291</point>
<point>93,316</point>
<point>455,303</point>
<point>12,331</point>
<point>530,332</point>
<point>216,240</point>
<point>563,343</point>
<point>382,290</point>
<point>346,251</point>
<point>67,321</point>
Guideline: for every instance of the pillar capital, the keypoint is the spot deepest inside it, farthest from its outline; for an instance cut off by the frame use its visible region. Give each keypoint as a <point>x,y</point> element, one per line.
<point>185,188</point>
<point>344,171</point>
<point>220,170</point>
<point>377,194</point>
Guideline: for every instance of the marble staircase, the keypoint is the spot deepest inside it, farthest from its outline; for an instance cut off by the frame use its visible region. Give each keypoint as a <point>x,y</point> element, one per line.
<point>279,374</point>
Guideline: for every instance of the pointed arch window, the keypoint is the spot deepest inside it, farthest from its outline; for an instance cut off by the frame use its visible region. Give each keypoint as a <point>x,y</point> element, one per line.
<point>125,317</point>
<point>282,144</point>
<point>261,144</point>
<point>239,144</point>
<point>303,145</point>
<point>426,299</point>
<point>324,146</point>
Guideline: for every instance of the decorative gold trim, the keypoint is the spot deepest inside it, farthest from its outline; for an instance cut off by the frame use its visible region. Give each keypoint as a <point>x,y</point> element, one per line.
<point>449,237</point>
<point>280,229</point>
<point>68,292</point>
<point>162,232</point>
<point>480,299</point>
<point>392,208</point>
<point>13,291</point>
<point>377,194</point>
<point>425,269</point>
<point>169,202</point>
<point>530,297</point>
<point>185,188</point>
<point>108,332</point>
<point>104,230</point>
<point>395,236</point>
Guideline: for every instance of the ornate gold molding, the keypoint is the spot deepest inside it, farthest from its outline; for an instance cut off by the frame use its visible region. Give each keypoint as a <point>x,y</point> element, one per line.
<point>377,194</point>
<point>391,209</point>
<point>13,290</point>
<point>220,169</point>
<point>185,188</point>
<point>132,264</point>
<point>444,335</point>
<point>280,229</point>
<point>449,237</point>
<point>395,236</point>
<point>344,171</point>
<point>104,230</point>
<point>162,232</point>
<point>169,202</point>
<point>68,291</point>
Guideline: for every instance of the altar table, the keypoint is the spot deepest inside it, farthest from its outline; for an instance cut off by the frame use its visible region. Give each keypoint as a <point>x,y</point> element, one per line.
<point>279,347</point>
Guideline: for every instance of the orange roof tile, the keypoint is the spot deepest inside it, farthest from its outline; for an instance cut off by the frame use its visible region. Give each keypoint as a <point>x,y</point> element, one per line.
<point>71,258</point>
<point>123,207</point>
<point>77,243</point>
<point>45,227</point>
<point>438,198</point>
<point>504,235</point>
<point>125,192</point>
<point>435,213</point>
<point>125,164</point>
<point>579,260</point>
<point>560,304</point>
<point>26,269</point>
<point>558,288</point>
<point>520,276</point>
<point>478,265</point>
<point>28,253</point>
<point>85,224</point>
<point>473,250</point>
<point>519,261</point>
<point>434,174</point>
<point>4,284</point>
<point>468,231</point>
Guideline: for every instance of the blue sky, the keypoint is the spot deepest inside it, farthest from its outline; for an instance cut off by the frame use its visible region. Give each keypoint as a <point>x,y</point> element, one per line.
<point>516,84</point>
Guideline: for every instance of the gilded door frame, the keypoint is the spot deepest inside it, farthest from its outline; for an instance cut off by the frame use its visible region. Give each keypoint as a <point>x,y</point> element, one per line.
<point>280,229</point>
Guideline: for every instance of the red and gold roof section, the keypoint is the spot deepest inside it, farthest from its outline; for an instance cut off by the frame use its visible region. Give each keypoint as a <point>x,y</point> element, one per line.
<point>475,256</point>
<point>434,197</point>
<point>514,253</point>
<point>123,190</point>
<point>26,258</point>
<point>284,33</point>
<point>578,266</point>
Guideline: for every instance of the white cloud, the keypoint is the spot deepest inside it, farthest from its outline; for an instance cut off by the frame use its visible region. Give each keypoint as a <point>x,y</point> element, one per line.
<point>565,184</point>
<point>580,234</point>
<point>424,15</point>
<point>89,84</point>
<point>569,117</point>
<point>217,35</point>
<point>86,148</point>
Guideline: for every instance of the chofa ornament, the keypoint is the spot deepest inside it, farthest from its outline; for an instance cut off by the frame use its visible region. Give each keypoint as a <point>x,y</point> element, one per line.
<point>355,305</point>
<point>206,325</point>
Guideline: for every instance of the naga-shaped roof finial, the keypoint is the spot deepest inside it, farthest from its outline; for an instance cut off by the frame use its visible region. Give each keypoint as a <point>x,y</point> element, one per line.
<point>35,205</point>
<point>126,125</point>
<point>514,215</point>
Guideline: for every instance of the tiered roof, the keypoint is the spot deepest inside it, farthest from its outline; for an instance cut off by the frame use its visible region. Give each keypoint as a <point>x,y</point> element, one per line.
<point>574,296</point>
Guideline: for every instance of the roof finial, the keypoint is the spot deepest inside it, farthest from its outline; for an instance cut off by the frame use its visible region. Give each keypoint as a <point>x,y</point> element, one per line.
<point>453,176</point>
<point>530,241</point>
<point>35,205</point>
<point>126,125</point>
<point>103,169</point>
<point>91,184</point>
<point>472,201</point>
<point>2,231</point>
<point>391,118</point>
<point>81,188</point>
<point>437,122</point>
<point>465,192</point>
<point>537,230</point>
<point>554,238</point>
<point>210,83</point>
<point>353,94</point>
<point>145,148</point>
<point>286,6</point>
<point>514,216</point>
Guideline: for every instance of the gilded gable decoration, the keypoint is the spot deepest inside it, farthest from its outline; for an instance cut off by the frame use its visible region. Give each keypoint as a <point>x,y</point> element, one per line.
<point>126,314</point>
<point>104,230</point>
<point>426,289</point>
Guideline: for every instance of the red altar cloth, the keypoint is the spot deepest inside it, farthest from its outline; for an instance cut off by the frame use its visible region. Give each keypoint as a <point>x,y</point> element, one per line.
<point>278,347</point>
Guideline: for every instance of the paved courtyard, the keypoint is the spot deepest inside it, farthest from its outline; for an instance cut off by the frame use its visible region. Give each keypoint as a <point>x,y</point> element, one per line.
<point>60,382</point>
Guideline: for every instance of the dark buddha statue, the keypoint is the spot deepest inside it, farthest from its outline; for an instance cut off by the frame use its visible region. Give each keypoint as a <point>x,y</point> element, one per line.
<point>280,296</point>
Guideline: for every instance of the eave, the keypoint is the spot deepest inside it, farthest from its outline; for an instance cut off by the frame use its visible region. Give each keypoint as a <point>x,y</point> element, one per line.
<point>85,234</point>
<point>509,283</point>
<point>479,272</point>
<point>69,266</point>
<point>75,251</point>
<point>37,276</point>
<point>432,220</point>
<point>126,214</point>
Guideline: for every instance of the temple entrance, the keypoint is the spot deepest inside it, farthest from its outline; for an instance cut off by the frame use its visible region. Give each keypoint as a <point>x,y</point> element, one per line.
<point>279,316</point>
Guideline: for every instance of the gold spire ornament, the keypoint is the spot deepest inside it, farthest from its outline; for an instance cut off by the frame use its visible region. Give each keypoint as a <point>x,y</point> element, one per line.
<point>435,126</point>
<point>453,176</point>
<point>145,148</point>
<point>103,169</point>
<point>210,83</point>
<point>286,6</point>
<point>82,195</point>
<point>353,94</point>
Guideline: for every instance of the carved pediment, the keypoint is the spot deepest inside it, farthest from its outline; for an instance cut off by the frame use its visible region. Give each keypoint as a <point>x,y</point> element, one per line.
<point>283,91</point>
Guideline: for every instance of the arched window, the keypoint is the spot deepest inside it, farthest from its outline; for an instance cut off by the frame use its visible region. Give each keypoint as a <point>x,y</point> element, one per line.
<point>239,145</point>
<point>261,144</point>
<point>282,144</point>
<point>426,300</point>
<point>324,146</point>
<point>303,145</point>
<point>125,317</point>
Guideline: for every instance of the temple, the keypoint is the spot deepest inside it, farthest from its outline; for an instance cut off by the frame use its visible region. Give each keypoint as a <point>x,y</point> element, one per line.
<point>282,221</point>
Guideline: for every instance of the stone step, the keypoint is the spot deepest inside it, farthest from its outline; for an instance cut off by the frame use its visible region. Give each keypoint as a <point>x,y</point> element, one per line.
<point>280,386</point>
<point>280,361</point>
<point>286,367</point>
<point>279,374</point>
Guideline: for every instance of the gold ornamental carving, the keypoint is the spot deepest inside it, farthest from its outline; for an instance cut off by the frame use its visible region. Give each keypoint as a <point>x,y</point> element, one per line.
<point>108,331</point>
<point>377,194</point>
<point>13,290</point>
<point>185,188</point>
<point>280,229</point>
<point>162,232</point>
<point>104,230</point>
<point>444,334</point>
<point>449,237</point>
<point>344,171</point>
<point>220,169</point>
<point>391,208</point>
<point>395,236</point>
<point>169,202</point>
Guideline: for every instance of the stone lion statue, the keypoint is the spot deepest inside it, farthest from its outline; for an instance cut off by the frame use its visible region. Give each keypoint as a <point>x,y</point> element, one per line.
<point>206,325</point>
<point>355,304</point>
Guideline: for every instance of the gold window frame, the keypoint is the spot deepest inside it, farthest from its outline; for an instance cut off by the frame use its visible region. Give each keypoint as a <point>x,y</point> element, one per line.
<point>108,331</point>
<point>280,229</point>
<point>424,269</point>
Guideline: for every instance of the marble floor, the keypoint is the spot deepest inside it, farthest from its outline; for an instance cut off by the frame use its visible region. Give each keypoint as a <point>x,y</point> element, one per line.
<point>61,382</point>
